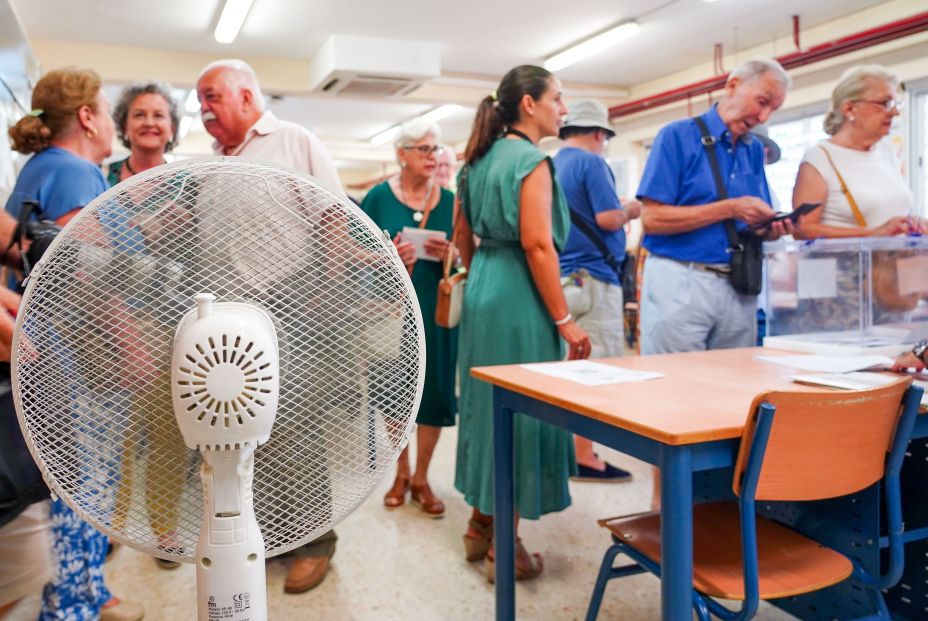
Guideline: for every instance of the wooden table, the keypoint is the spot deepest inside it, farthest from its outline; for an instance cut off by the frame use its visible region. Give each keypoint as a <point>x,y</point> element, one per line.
<point>686,422</point>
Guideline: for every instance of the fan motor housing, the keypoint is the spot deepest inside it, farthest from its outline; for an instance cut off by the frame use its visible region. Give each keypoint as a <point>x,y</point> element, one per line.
<point>224,375</point>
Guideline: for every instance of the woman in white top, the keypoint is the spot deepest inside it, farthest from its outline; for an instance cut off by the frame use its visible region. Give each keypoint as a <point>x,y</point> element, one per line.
<point>856,174</point>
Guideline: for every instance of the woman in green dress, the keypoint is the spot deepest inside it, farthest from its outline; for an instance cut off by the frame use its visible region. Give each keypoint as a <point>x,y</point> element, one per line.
<point>514,311</point>
<point>414,199</point>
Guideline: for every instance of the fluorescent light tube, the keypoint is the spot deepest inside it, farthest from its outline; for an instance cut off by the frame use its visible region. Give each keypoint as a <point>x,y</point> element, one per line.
<point>385,136</point>
<point>231,20</point>
<point>592,46</point>
<point>441,112</point>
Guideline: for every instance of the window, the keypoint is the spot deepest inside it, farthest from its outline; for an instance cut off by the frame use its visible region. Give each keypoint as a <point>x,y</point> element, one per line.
<point>918,162</point>
<point>794,138</point>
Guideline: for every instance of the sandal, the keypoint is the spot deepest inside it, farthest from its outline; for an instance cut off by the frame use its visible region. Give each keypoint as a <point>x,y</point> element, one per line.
<point>522,572</point>
<point>476,548</point>
<point>397,494</point>
<point>427,501</point>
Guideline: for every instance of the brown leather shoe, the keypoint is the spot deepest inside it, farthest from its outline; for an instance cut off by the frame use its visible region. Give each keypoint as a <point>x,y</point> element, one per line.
<point>427,501</point>
<point>306,573</point>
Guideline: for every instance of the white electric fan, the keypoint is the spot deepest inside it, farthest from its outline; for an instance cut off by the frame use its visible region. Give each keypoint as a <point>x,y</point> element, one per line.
<point>227,315</point>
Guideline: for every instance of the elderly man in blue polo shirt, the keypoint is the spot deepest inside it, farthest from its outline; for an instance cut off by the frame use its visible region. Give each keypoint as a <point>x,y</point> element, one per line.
<point>591,260</point>
<point>687,301</point>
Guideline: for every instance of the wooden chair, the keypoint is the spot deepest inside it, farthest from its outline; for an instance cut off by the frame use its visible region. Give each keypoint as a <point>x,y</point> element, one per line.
<point>796,446</point>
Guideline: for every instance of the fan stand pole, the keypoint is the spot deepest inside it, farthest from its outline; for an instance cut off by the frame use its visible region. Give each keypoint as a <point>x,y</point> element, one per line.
<point>230,553</point>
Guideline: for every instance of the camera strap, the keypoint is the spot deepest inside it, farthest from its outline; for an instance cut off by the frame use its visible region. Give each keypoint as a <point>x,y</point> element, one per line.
<point>27,209</point>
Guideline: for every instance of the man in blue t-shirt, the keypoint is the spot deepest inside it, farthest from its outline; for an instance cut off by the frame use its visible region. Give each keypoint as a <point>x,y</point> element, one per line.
<point>687,301</point>
<point>592,286</point>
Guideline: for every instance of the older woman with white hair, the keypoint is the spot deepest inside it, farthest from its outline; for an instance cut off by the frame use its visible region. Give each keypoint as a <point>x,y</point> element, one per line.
<point>413,199</point>
<point>855,173</point>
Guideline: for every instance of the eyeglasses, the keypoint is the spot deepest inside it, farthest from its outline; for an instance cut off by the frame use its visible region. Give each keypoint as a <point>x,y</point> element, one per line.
<point>888,105</point>
<point>425,149</point>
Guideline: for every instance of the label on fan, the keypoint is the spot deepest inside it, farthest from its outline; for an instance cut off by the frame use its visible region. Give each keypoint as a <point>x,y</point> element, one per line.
<point>237,611</point>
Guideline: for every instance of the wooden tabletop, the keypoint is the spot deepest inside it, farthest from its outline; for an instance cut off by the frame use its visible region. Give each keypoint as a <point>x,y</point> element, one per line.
<point>703,396</point>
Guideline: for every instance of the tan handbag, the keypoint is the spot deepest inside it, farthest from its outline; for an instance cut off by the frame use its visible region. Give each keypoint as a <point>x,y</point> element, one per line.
<point>450,294</point>
<point>450,298</point>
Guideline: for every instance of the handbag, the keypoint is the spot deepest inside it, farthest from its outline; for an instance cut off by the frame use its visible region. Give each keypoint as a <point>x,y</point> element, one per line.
<point>450,297</point>
<point>744,247</point>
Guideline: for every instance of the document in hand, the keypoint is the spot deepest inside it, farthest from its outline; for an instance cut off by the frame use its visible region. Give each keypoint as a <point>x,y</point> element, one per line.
<point>418,237</point>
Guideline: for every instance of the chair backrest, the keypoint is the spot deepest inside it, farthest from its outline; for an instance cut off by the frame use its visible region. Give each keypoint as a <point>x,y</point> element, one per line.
<point>822,444</point>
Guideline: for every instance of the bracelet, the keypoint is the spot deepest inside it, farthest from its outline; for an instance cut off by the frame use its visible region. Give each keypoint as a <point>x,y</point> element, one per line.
<point>565,320</point>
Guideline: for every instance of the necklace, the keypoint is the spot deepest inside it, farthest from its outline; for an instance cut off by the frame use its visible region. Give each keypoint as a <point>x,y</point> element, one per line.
<point>417,214</point>
<point>129,166</point>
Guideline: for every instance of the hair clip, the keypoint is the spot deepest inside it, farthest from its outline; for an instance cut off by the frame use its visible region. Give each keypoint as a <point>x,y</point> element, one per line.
<point>36,112</point>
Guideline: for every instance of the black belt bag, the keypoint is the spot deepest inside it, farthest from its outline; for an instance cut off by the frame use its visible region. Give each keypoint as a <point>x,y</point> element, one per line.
<point>744,247</point>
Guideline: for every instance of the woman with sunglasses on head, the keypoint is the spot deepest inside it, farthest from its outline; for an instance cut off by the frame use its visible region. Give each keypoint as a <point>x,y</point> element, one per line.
<point>855,174</point>
<point>514,309</point>
<point>414,199</point>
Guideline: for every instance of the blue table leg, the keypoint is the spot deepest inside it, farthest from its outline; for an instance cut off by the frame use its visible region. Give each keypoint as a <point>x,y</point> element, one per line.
<point>504,516</point>
<point>676,533</point>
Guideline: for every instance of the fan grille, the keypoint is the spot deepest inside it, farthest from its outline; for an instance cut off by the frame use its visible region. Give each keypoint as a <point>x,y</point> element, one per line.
<point>92,361</point>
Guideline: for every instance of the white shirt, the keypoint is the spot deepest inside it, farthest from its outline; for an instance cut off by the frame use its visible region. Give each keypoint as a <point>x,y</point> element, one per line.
<point>874,179</point>
<point>288,144</point>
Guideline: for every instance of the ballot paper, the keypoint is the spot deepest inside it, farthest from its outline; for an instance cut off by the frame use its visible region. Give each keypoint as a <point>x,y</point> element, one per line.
<point>860,380</point>
<point>590,373</point>
<point>829,364</point>
<point>418,237</point>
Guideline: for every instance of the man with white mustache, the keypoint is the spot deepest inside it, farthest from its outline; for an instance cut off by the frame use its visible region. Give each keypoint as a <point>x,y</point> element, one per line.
<point>233,112</point>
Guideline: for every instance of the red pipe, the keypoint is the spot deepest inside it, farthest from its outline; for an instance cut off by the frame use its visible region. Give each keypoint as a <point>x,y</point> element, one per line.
<point>867,38</point>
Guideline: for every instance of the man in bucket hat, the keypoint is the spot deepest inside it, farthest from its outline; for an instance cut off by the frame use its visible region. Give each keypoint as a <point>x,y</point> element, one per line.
<point>592,257</point>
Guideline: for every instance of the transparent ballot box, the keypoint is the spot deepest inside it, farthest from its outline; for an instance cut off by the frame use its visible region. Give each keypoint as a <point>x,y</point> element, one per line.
<point>833,296</point>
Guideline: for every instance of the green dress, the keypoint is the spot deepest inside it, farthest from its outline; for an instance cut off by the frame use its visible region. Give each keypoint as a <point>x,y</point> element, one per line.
<point>438,406</point>
<point>504,321</point>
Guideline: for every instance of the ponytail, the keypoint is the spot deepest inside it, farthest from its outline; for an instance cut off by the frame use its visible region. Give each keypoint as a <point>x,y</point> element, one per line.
<point>488,123</point>
<point>494,114</point>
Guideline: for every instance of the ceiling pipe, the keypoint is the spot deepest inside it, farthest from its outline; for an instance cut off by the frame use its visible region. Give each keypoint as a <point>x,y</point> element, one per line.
<point>867,38</point>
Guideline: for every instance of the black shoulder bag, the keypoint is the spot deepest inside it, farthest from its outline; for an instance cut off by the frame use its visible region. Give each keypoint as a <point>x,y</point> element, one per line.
<point>594,237</point>
<point>744,247</point>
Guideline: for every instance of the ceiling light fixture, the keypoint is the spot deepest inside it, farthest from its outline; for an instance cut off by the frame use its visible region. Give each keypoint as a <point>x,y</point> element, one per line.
<point>432,116</point>
<point>441,112</point>
<point>192,103</point>
<point>593,45</point>
<point>385,136</point>
<point>231,20</point>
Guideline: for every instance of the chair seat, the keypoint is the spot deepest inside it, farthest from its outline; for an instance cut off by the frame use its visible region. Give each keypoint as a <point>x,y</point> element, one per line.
<point>788,563</point>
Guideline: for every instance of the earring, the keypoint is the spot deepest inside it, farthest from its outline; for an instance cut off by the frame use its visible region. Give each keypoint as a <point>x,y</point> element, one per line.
<point>91,133</point>
<point>851,118</point>
<point>402,164</point>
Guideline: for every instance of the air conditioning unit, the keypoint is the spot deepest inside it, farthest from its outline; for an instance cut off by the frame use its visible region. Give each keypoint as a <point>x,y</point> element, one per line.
<point>371,67</point>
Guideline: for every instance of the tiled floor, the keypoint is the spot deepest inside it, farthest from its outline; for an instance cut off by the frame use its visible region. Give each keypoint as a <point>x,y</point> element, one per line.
<point>401,565</point>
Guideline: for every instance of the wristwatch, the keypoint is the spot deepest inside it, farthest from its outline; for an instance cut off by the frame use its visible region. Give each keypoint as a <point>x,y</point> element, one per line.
<point>919,350</point>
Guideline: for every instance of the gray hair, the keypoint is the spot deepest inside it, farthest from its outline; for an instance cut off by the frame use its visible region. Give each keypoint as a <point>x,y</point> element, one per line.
<point>129,95</point>
<point>753,69</point>
<point>851,85</point>
<point>241,75</point>
<point>415,130</point>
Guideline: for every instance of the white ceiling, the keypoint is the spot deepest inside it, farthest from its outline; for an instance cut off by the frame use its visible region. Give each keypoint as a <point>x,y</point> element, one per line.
<point>476,37</point>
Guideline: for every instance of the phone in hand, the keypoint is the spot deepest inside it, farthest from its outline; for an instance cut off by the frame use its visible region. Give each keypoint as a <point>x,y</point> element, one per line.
<point>792,216</point>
